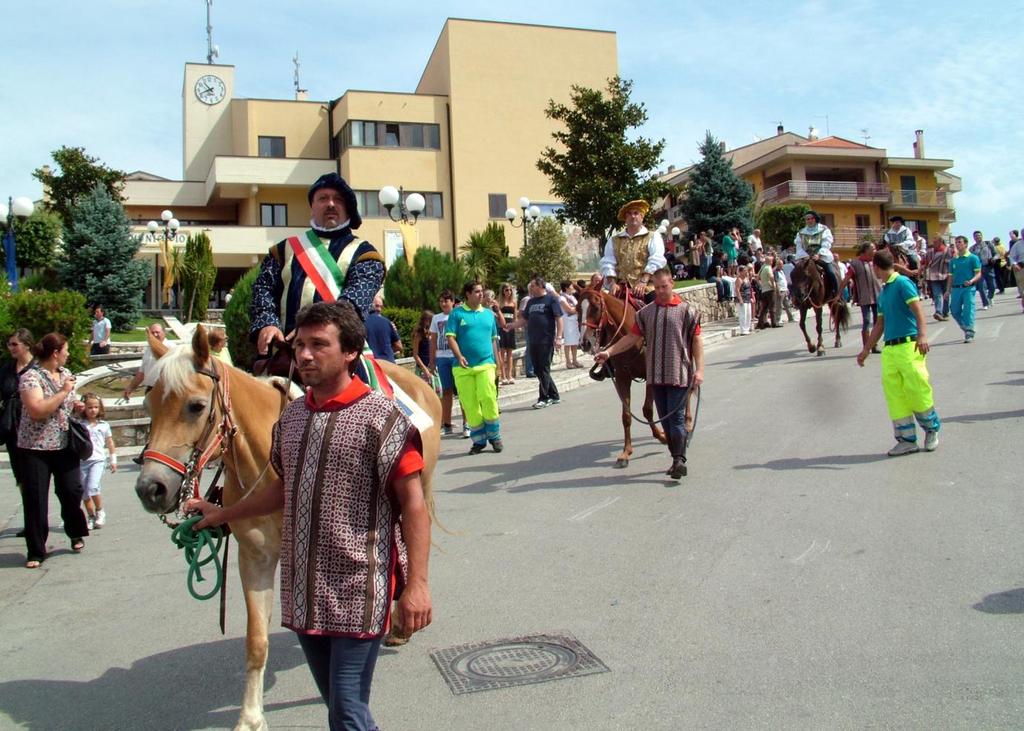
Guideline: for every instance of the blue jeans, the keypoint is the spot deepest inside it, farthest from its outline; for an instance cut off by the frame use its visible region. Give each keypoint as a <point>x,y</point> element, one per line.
<point>343,670</point>
<point>961,307</point>
<point>868,315</point>
<point>671,400</point>
<point>987,284</point>
<point>938,292</point>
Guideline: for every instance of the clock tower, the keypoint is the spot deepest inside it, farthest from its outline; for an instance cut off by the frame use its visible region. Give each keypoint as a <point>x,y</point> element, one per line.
<point>206,116</point>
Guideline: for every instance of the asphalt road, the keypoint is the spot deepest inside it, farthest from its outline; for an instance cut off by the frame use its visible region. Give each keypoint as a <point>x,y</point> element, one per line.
<point>798,578</point>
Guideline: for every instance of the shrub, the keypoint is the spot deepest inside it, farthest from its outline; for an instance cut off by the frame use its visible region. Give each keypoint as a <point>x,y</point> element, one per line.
<point>418,287</point>
<point>45,279</point>
<point>236,321</point>
<point>45,312</point>
<point>196,274</point>
<point>545,254</point>
<point>779,224</point>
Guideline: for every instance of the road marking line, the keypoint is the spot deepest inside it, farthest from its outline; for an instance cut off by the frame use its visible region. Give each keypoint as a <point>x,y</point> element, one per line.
<point>936,333</point>
<point>584,514</point>
<point>994,331</point>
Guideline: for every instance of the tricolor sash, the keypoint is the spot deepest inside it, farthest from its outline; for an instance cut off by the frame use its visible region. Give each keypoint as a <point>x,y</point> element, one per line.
<point>320,267</point>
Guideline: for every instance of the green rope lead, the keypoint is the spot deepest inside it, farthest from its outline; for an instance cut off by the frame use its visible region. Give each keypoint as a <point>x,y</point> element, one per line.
<point>194,543</point>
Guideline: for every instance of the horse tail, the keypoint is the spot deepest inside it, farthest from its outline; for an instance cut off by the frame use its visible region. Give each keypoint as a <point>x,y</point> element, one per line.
<point>842,316</point>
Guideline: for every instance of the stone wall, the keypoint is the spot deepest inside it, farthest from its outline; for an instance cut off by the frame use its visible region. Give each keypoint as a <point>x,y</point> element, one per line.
<point>704,298</point>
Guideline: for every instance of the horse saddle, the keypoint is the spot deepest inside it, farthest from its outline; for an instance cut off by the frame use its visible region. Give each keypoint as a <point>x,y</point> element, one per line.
<point>816,276</point>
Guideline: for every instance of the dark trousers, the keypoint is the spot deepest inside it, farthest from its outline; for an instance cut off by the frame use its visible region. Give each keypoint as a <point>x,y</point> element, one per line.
<point>98,349</point>
<point>37,467</point>
<point>987,284</point>
<point>540,354</point>
<point>343,670</point>
<point>868,315</point>
<point>939,297</point>
<point>670,400</point>
<point>767,313</point>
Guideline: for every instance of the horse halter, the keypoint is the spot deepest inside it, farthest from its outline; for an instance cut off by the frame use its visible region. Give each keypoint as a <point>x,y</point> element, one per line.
<point>202,452</point>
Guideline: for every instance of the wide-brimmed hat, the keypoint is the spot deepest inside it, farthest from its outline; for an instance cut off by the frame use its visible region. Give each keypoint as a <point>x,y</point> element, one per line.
<point>641,204</point>
<point>336,182</point>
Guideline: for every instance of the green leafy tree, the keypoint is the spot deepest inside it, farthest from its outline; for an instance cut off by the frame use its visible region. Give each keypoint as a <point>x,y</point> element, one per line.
<point>545,253</point>
<point>418,287</point>
<point>64,312</point>
<point>595,167</point>
<point>716,197</point>
<point>237,322</point>
<point>483,253</point>
<point>100,260</point>
<point>779,224</point>
<point>195,274</point>
<point>38,240</point>
<point>74,178</point>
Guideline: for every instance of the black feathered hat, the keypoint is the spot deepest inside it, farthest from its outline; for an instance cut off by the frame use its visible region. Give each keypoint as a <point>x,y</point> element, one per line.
<point>893,219</point>
<point>335,181</point>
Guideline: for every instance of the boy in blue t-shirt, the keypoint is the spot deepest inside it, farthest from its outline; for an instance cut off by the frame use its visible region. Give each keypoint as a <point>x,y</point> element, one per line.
<point>908,393</point>
<point>964,271</point>
<point>472,335</point>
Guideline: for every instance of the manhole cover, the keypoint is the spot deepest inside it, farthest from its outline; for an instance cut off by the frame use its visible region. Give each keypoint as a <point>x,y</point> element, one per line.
<point>518,661</point>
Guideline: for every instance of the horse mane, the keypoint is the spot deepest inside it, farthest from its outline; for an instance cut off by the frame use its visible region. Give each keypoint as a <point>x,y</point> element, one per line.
<point>175,369</point>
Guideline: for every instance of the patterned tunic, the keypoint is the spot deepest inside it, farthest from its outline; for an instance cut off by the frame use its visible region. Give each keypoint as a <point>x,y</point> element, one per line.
<point>340,542</point>
<point>668,331</point>
<point>281,286</point>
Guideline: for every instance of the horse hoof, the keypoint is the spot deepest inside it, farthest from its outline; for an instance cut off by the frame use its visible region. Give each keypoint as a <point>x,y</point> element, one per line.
<point>821,352</point>
<point>393,640</point>
<point>621,463</point>
<point>810,348</point>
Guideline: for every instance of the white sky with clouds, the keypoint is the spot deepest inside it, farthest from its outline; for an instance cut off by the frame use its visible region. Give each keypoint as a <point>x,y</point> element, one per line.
<point>107,74</point>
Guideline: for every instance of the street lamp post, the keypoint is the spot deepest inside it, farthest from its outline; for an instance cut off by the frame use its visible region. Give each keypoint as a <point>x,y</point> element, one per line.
<point>529,215</point>
<point>408,205</point>
<point>170,230</point>
<point>22,208</point>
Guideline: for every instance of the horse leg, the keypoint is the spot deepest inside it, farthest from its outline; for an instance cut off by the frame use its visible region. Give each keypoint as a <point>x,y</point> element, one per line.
<point>657,430</point>
<point>835,310</point>
<point>622,387</point>
<point>818,316</point>
<point>803,328</point>
<point>257,564</point>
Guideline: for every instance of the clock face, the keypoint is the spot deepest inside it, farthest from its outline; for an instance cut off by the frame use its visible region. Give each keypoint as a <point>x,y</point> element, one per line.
<point>210,89</point>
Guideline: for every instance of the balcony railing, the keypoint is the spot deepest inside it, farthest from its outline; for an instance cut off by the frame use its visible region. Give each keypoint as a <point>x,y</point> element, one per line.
<point>847,237</point>
<point>919,199</point>
<point>807,190</point>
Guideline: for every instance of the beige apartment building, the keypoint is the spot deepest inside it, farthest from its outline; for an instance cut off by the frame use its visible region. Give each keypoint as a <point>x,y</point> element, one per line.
<point>855,188</point>
<point>468,139</point>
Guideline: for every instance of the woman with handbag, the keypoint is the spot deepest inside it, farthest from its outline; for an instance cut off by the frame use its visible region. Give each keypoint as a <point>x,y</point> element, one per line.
<point>48,401</point>
<point>19,345</point>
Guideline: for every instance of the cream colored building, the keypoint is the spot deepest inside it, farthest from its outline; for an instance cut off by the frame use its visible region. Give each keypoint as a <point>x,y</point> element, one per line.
<point>855,188</point>
<point>468,139</point>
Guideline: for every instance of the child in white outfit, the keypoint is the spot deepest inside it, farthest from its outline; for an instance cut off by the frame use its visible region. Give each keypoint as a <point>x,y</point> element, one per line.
<point>102,453</point>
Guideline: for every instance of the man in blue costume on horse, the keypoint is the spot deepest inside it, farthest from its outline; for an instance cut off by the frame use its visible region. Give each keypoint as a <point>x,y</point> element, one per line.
<point>325,263</point>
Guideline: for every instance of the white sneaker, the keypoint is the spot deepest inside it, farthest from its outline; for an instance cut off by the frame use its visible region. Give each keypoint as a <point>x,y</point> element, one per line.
<point>465,432</point>
<point>902,447</point>
<point>541,405</point>
<point>90,521</point>
<point>931,441</point>
<point>101,519</point>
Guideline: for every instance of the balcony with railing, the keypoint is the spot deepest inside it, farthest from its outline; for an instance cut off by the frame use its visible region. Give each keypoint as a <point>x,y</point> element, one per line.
<point>848,237</point>
<point>919,199</point>
<point>824,190</point>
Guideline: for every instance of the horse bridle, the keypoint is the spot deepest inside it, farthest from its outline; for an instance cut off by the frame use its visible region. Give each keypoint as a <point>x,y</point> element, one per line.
<point>204,448</point>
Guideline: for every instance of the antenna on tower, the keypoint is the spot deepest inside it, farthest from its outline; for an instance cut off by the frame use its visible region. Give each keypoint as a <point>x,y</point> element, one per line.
<point>299,91</point>
<point>865,135</point>
<point>212,51</point>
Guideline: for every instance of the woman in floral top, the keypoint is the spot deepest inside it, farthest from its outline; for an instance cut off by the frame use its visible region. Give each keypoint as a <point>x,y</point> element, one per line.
<point>48,400</point>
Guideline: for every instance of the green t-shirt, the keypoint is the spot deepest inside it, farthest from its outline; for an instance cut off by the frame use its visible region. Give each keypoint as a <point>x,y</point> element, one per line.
<point>729,247</point>
<point>474,331</point>
<point>894,305</point>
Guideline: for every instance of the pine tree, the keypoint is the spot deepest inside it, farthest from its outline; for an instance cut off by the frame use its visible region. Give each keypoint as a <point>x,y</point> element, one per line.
<point>100,259</point>
<point>545,253</point>
<point>716,197</point>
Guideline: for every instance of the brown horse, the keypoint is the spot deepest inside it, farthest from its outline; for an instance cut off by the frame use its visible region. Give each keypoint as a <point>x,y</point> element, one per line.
<point>611,318</point>
<point>198,398</point>
<point>809,292</point>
